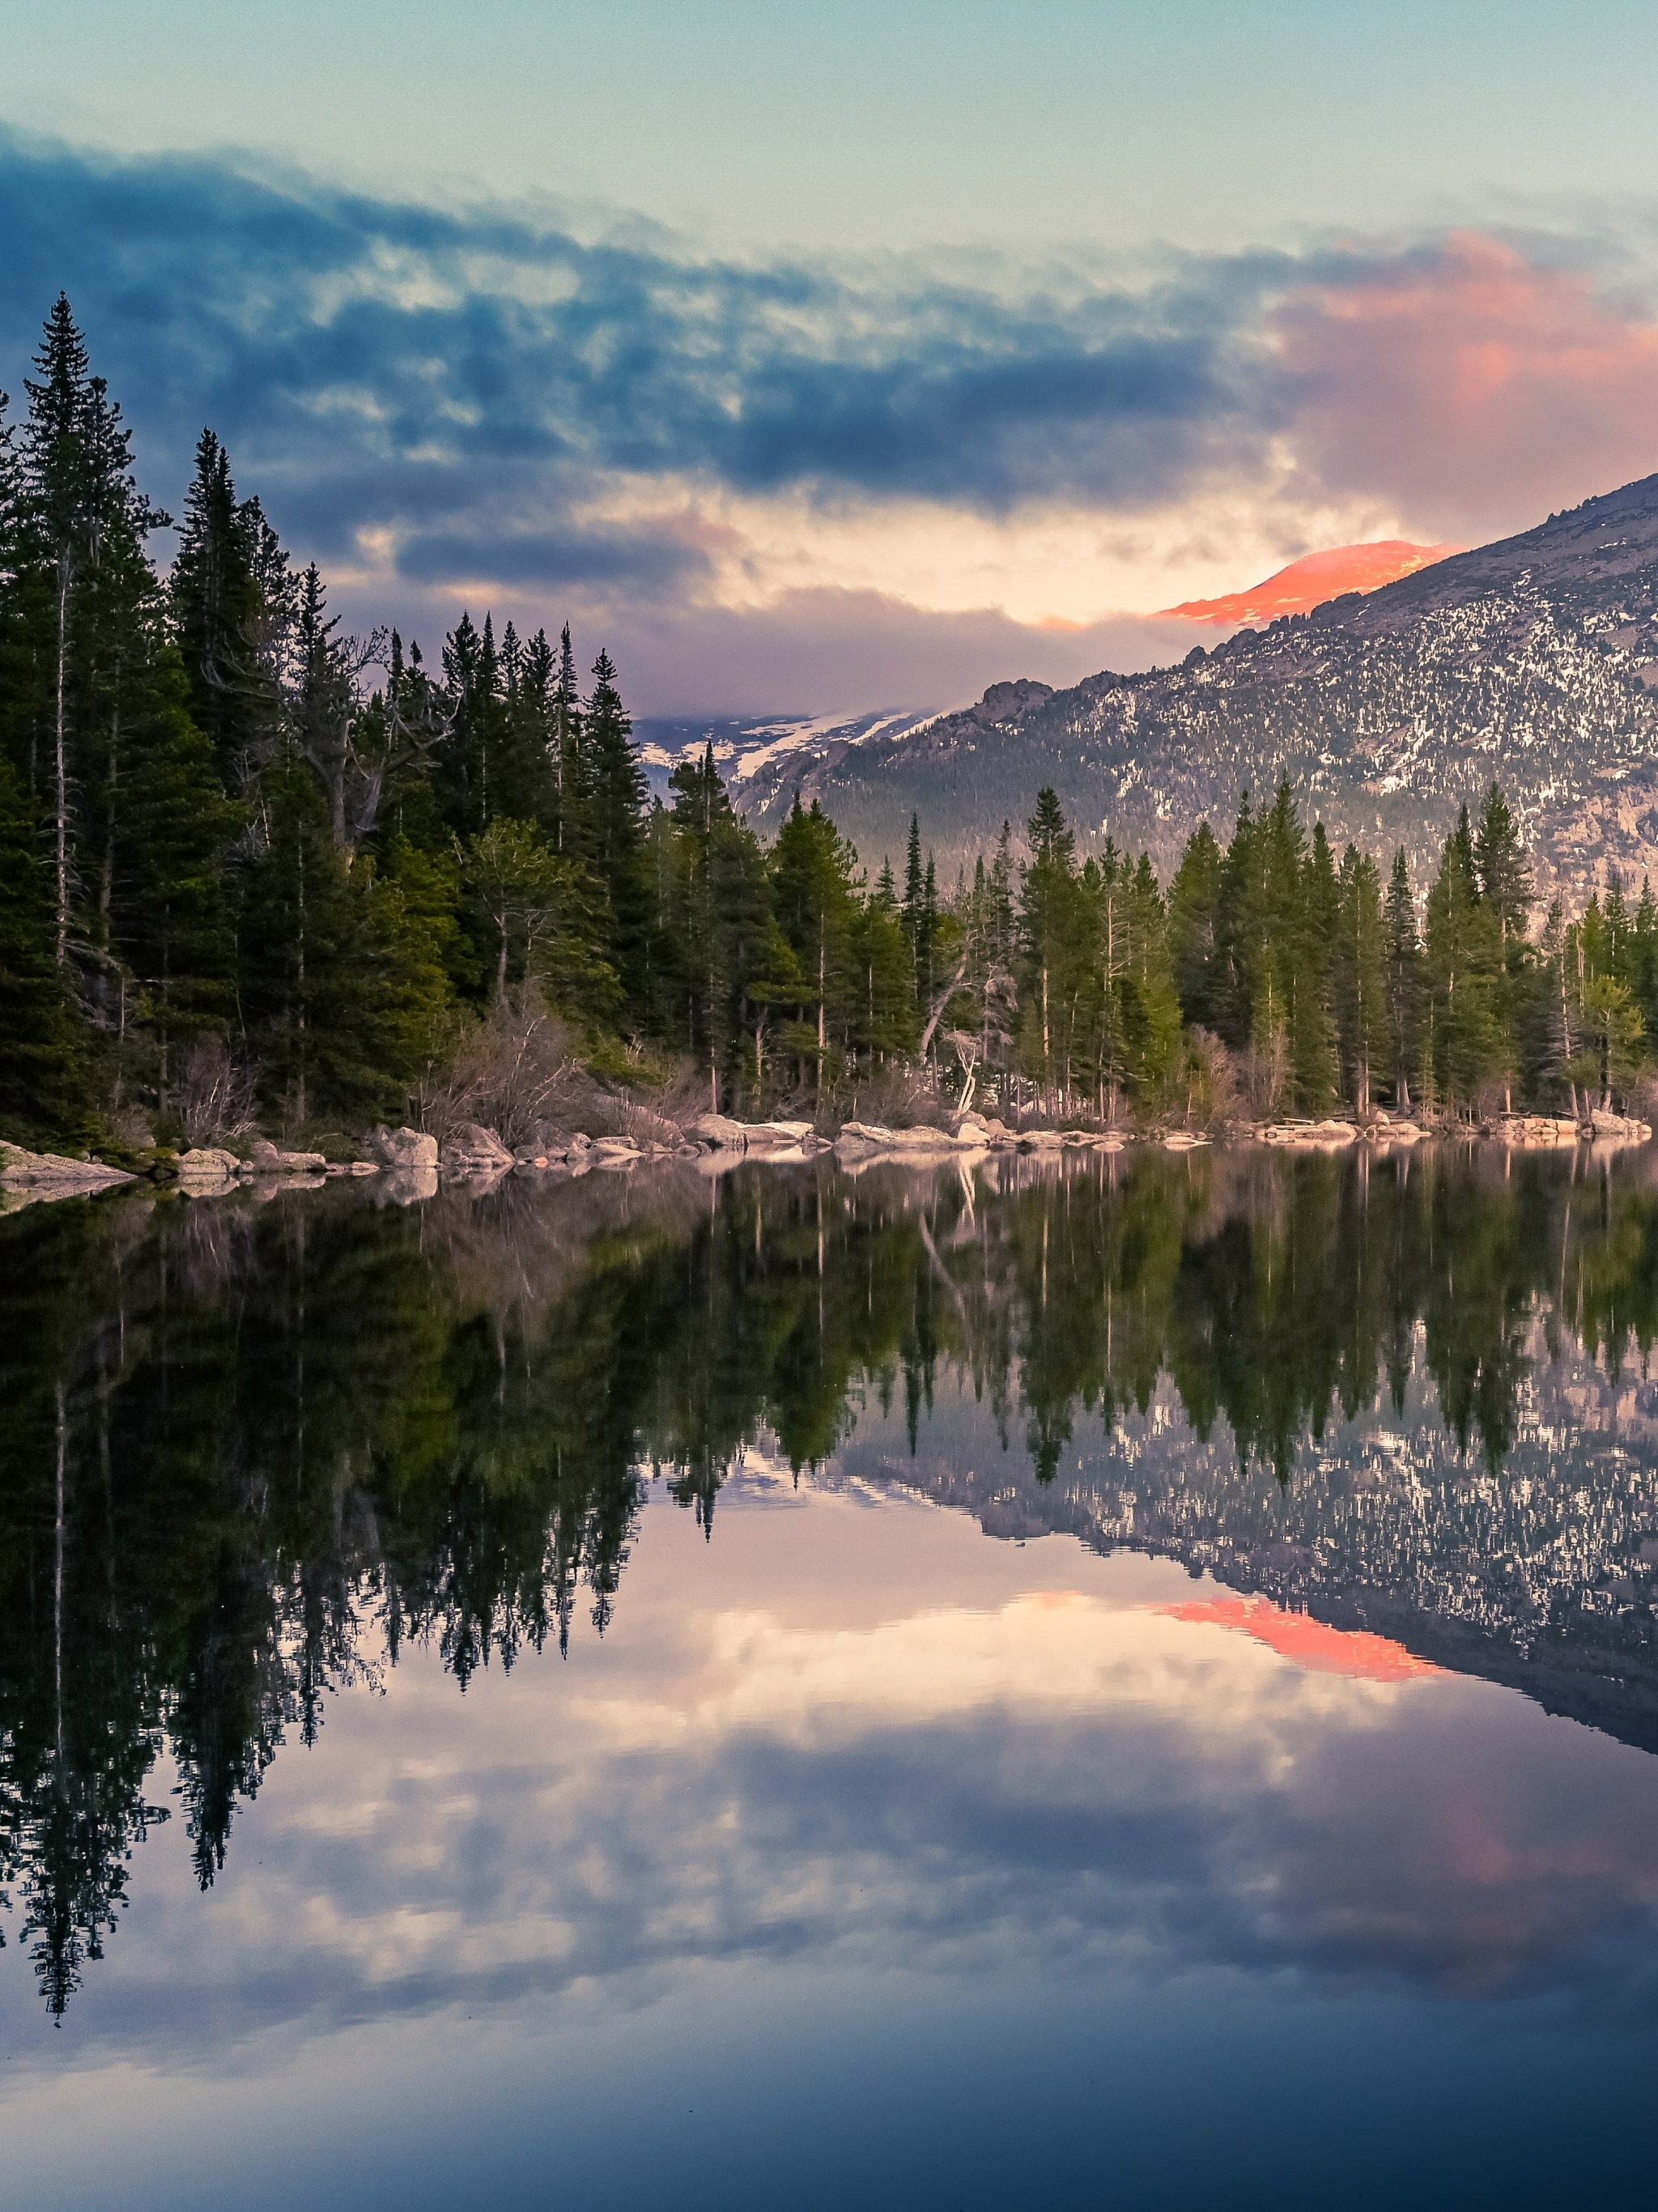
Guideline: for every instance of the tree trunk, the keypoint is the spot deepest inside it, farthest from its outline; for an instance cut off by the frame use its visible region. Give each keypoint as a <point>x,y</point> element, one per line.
<point>62,764</point>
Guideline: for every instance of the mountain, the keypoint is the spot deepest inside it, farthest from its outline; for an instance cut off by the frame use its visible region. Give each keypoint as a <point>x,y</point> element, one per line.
<point>1533,660</point>
<point>1537,1575</point>
<point>745,747</point>
<point>1309,582</point>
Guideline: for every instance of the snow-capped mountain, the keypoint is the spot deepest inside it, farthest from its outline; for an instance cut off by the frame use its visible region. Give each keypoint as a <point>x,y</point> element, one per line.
<point>745,749</point>
<point>1533,660</point>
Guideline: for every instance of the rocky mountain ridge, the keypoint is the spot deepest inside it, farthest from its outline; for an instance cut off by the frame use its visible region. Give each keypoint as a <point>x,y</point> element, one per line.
<point>1533,660</point>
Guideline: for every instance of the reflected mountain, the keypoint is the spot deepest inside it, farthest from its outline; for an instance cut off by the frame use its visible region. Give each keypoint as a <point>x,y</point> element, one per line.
<point>255,1450</point>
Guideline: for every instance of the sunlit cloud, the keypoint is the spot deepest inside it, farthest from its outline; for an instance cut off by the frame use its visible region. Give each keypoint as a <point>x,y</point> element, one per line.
<point>713,463</point>
<point>1487,389</point>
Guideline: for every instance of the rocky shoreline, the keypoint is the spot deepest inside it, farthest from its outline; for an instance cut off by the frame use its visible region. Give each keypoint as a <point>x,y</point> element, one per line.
<point>414,1164</point>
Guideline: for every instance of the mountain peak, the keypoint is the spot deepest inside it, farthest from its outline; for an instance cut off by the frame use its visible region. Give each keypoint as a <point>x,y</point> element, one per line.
<point>1314,579</point>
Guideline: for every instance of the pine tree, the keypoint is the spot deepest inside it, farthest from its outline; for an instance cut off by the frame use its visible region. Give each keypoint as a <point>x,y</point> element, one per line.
<point>1055,947</point>
<point>1463,957</point>
<point>1315,927</point>
<point>1194,928</point>
<point>175,923</point>
<point>1502,871</point>
<point>42,1066</point>
<point>616,792</point>
<point>84,522</point>
<point>574,833</point>
<point>1406,984</point>
<point>217,610</point>
<point>1359,976</point>
<point>813,879</point>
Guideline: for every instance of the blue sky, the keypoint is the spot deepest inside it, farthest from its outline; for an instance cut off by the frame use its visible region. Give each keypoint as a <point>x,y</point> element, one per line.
<point>856,357</point>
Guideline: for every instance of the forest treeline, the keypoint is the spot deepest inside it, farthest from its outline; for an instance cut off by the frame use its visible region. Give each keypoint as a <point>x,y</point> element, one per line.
<point>251,866</point>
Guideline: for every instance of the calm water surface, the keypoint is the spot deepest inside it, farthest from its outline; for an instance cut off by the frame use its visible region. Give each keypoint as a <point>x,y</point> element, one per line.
<point>1110,1684</point>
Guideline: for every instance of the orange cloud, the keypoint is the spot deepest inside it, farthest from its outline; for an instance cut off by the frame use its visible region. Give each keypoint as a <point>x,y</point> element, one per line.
<point>1476,389</point>
<point>1307,583</point>
<point>1311,1644</point>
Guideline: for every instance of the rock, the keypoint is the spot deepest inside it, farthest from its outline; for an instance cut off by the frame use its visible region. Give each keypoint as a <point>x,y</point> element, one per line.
<point>1042,1140</point>
<point>774,1136</point>
<point>616,1147</point>
<point>267,1160</point>
<point>719,1130</point>
<point>471,1150</point>
<point>208,1167</point>
<point>1319,1134</point>
<point>581,1142</point>
<point>39,1171</point>
<point>872,1134</point>
<point>405,1148</point>
<point>1624,1125</point>
<point>1182,1140</point>
<point>364,1168</point>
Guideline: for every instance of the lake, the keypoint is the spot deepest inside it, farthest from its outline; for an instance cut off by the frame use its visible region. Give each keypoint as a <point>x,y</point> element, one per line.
<point>1102,1681</point>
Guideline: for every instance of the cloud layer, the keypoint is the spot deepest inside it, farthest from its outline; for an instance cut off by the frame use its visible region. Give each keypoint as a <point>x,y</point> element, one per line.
<point>757,479</point>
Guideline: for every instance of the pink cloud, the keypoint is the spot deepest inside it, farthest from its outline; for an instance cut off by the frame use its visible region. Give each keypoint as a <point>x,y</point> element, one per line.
<point>1476,389</point>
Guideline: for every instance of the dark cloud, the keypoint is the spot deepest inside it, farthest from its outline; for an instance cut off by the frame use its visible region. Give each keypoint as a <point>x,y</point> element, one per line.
<point>468,387</point>
<point>367,354</point>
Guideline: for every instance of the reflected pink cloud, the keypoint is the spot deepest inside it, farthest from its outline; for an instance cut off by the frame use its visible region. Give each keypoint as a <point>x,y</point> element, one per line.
<point>1312,1644</point>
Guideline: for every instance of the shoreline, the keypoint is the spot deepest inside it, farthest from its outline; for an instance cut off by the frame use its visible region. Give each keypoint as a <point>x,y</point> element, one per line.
<point>410,1164</point>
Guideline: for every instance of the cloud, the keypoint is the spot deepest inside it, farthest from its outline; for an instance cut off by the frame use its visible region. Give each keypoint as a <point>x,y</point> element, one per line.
<point>927,475</point>
<point>1485,389</point>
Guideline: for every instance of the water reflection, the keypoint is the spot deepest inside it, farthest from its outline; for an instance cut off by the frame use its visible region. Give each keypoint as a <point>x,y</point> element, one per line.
<point>257,1452</point>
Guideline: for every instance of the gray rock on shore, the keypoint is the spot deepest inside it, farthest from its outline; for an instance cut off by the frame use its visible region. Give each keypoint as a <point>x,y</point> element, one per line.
<point>266,1160</point>
<point>404,1148</point>
<point>471,1151</point>
<point>207,1168</point>
<point>47,1175</point>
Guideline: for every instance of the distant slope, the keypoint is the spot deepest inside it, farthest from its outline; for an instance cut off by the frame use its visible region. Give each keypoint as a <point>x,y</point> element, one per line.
<point>1316,577</point>
<point>1533,659</point>
<point>745,747</point>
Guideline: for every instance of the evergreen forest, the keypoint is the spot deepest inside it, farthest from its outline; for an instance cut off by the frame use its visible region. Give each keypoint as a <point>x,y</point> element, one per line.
<point>256,872</point>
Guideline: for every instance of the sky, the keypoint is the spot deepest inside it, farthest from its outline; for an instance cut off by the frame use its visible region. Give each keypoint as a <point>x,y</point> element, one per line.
<point>845,359</point>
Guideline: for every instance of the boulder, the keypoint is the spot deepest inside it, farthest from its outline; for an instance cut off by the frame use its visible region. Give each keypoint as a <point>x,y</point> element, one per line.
<point>1602,1124</point>
<point>405,1148</point>
<point>267,1160</point>
<point>719,1130</point>
<point>471,1150</point>
<point>208,1167</point>
<point>20,1169</point>
<point>776,1138</point>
